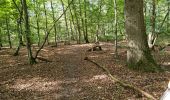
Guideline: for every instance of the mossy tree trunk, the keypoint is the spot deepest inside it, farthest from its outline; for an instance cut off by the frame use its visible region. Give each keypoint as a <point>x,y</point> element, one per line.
<point>138,55</point>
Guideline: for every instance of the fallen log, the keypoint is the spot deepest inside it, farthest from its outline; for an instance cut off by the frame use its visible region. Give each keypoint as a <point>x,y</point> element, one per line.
<point>126,85</point>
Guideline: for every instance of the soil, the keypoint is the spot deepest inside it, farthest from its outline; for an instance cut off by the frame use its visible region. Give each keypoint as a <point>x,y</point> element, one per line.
<point>69,77</point>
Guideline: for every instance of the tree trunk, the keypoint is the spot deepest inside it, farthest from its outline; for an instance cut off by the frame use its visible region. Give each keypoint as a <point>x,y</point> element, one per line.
<point>115,11</point>
<point>78,24</point>
<point>27,32</point>
<point>8,33</point>
<point>36,8</point>
<point>65,18</point>
<point>138,55</point>
<point>19,28</point>
<point>46,21</point>
<point>55,30</point>
<point>168,23</point>
<point>0,40</point>
<point>82,20</point>
<point>85,23</point>
<point>152,36</point>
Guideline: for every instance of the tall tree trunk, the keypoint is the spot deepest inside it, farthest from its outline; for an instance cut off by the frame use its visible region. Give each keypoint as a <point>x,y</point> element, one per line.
<point>115,11</point>
<point>65,18</point>
<point>19,28</point>
<point>168,23</point>
<point>8,33</point>
<point>98,23</point>
<point>36,8</point>
<point>78,24</point>
<point>82,20</point>
<point>55,30</point>
<point>27,32</point>
<point>152,36</point>
<point>46,21</point>
<point>85,23</point>
<point>0,40</point>
<point>74,25</point>
<point>138,55</point>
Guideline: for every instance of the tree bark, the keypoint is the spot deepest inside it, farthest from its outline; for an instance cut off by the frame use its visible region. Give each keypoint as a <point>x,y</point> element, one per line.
<point>115,22</point>
<point>152,36</point>
<point>8,33</point>
<point>78,24</point>
<point>36,8</point>
<point>19,28</point>
<point>85,23</point>
<point>72,20</point>
<point>138,54</point>
<point>55,30</point>
<point>46,21</point>
<point>65,18</point>
<point>27,32</point>
<point>0,40</point>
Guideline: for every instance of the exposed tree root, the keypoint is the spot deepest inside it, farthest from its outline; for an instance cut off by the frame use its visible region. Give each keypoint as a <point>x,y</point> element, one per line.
<point>149,96</point>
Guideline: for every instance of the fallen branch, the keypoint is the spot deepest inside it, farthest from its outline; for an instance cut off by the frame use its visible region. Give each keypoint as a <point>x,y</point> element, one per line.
<point>43,59</point>
<point>149,96</point>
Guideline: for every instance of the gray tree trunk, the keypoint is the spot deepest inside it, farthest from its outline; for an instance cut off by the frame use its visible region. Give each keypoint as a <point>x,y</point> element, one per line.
<point>55,29</point>
<point>46,21</point>
<point>27,33</point>
<point>138,55</point>
<point>66,23</point>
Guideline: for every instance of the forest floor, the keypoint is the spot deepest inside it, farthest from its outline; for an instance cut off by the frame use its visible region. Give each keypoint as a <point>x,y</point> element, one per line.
<point>69,77</point>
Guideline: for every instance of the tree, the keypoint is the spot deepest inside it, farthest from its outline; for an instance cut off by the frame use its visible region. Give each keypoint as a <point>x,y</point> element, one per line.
<point>115,22</point>
<point>152,36</point>
<point>55,29</point>
<point>8,32</point>
<point>27,32</point>
<point>138,55</point>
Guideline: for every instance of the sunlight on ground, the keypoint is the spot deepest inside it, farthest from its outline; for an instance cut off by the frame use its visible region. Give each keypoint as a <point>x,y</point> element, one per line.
<point>102,77</point>
<point>36,84</point>
<point>40,84</point>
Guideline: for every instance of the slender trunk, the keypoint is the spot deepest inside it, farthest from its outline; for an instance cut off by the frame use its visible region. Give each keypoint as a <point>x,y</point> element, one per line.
<point>36,8</point>
<point>85,23</point>
<point>55,30</point>
<point>71,27</point>
<point>72,20</point>
<point>78,24</point>
<point>19,28</point>
<point>46,21</point>
<point>168,23</point>
<point>98,23</point>
<point>0,40</point>
<point>115,11</point>
<point>27,33</point>
<point>65,18</point>
<point>8,33</point>
<point>152,36</point>
<point>138,55</point>
<point>82,20</point>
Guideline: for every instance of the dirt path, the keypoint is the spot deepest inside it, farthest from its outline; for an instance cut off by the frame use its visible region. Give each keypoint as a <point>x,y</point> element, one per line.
<point>69,76</point>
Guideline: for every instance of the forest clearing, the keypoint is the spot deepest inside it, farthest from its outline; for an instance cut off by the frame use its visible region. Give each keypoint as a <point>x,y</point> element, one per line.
<point>69,77</point>
<point>84,50</point>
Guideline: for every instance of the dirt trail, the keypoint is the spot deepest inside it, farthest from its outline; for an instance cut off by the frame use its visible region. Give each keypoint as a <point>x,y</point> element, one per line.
<point>68,76</point>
